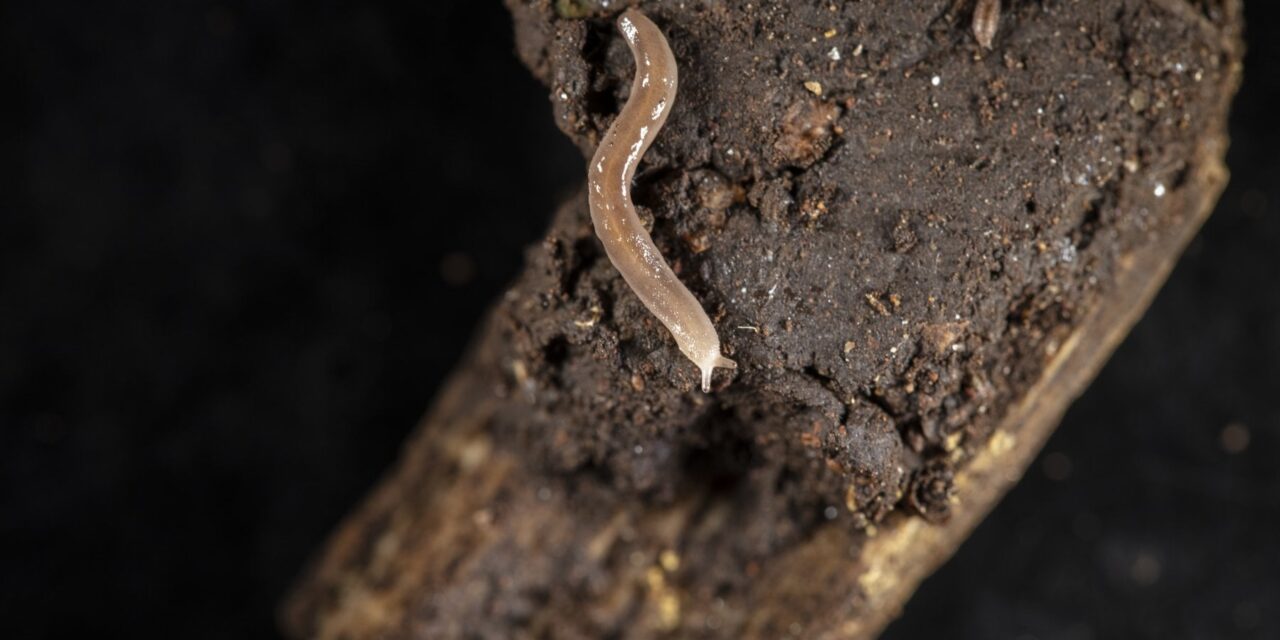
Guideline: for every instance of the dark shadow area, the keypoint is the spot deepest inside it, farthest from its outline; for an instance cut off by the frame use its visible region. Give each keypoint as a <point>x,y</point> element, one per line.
<point>241,244</point>
<point>240,247</point>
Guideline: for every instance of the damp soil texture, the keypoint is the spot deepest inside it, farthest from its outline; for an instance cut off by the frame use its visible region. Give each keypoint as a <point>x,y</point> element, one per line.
<point>891,227</point>
<point>894,230</point>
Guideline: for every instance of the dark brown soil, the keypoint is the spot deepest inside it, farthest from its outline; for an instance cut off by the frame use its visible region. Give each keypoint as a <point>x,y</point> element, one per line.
<point>891,260</point>
<point>894,232</point>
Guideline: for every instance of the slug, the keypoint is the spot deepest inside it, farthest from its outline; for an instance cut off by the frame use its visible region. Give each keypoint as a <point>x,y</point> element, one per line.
<point>628,245</point>
<point>986,20</point>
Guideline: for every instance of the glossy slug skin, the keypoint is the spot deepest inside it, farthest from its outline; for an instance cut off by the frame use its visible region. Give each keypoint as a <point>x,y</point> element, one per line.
<point>986,20</point>
<point>625,240</point>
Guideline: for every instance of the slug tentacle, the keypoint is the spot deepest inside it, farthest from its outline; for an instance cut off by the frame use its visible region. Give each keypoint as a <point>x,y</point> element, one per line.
<point>628,245</point>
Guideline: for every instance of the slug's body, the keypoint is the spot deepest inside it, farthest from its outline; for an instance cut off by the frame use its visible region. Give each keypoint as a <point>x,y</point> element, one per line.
<point>986,20</point>
<point>625,240</point>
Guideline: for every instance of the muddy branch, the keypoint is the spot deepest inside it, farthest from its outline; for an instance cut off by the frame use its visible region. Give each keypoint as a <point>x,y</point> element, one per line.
<point>919,250</point>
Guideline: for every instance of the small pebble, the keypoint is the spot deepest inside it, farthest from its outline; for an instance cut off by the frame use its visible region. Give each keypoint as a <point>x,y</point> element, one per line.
<point>1138,100</point>
<point>669,560</point>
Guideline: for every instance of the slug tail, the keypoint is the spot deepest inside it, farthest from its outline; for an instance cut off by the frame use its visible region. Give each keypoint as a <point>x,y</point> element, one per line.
<point>710,365</point>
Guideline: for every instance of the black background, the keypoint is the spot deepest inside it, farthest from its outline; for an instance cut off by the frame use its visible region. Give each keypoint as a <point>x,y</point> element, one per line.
<point>242,244</point>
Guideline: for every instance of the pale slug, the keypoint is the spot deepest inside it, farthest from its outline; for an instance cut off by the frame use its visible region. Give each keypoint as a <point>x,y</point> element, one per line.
<point>625,240</point>
<point>986,20</point>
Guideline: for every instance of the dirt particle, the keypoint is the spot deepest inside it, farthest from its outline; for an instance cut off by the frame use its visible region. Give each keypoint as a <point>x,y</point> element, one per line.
<point>697,242</point>
<point>810,440</point>
<point>713,191</point>
<point>904,234</point>
<point>669,560</point>
<point>812,209</point>
<point>932,491</point>
<point>814,87</point>
<point>590,321</point>
<point>1138,100</point>
<point>873,299</point>
<point>952,441</point>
